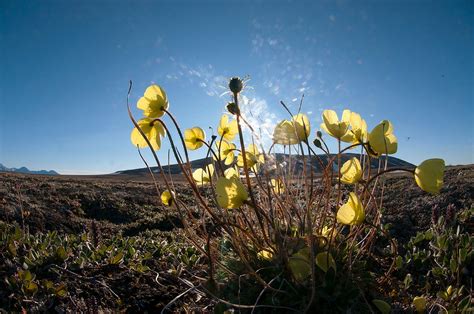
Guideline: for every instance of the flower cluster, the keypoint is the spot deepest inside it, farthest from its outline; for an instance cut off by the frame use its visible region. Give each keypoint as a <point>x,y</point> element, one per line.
<point>265,207</point>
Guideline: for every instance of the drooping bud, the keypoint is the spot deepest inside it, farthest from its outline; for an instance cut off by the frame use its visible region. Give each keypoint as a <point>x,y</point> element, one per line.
<point>319,134</point>
<point>236,85</point>
<point>233,108</point>
<point>317,143</point>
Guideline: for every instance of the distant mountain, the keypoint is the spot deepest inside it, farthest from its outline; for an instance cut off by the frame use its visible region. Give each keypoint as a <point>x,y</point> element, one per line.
<point>295,161</point>
<point>26,170</point>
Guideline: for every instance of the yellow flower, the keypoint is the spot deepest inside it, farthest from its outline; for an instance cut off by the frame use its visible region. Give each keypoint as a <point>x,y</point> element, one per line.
<point>226,151</point>
<point>382,140</point>
<point>231,172</point>
<point>292,132</point>
<point>167,198</point>
<point>194,137</point>
<point>231,193</point>
<point>420,304</point>
<point>253,156</point>
<point>358,129</point>
<point>154,102</point>
<point>265,254</point>
<point>203,176</point>
<point>153,132</point>
<point>227,129</point>
<point>351,171</point>
<point>277,186</point>
<point>429,175</point>
<point>301,125</point>
<point>352,212</point>
<point>338,129</point>
<point>284,133</point>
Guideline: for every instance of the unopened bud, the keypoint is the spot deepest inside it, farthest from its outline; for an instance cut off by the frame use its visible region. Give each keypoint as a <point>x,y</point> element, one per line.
<point>317,143</point>
<point>319,134</point>
<point>236,85</point>
<point>233,108</point>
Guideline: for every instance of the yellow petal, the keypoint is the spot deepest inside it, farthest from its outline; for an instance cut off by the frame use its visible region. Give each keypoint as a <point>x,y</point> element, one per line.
<point>155,92</point>
<point>330,117</point>
<point>382,140</point>
<point>231,172</point>
<point>227,129</point>
<point>346,116</point>
<point>203,176</point>
<point>231,193</point>
<point>285,134</point>
<point>429,175</point>
<point>351,171</point>
<point>167,198</point>
<point>265,254</point>
<point>301,126</point>
<point>152,133</point>
<point>194,137</point>
<point>352,212</point>
<point>154,102</point>
<point>277,186</point>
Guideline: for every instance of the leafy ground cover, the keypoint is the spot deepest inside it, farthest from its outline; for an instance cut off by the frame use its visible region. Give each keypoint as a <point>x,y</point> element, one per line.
<point>73,244</point>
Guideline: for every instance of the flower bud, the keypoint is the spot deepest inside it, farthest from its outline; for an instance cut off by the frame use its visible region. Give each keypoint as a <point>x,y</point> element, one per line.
<point>319,134</point>
<point>236,85</point>
<point>233,108</point>
<point>317,143</point>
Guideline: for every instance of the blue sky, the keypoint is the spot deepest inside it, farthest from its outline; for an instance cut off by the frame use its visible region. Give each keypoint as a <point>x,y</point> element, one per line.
<point>65,67</point>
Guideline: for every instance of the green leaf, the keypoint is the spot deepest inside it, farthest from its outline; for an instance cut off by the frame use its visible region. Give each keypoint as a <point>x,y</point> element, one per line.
<point>324,260</point>
<point>299,265</point>
<point>12,248</point>
<point>61,253</point>
<point>382,306</point>
<point>25,275</point>
<point>116,259</point>
<point>399,262</point>
<point>407,281</point>
<point>30,287</point>
<point>61,290</point>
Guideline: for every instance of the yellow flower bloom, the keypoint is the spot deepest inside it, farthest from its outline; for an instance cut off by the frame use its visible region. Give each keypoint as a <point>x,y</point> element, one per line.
<point>167,198</point>
<point>382,140</point>
<point>194,137</point>
<point>277,186</point>
<point>231,193</point>
<point>420,304</point>
<point>231,172</point>
<point>227,129</point>
<point>154,102</point>
<point>203,176</point>
<point>284,133</point>
<point>352,212</point>
<point>292,132</point>
<point>429,175</point>
<point>265,254</point>
<point>358,129</point>
<point>338,129</point>
<point>226,151</point>
<point>153,132</point>
<point>351,171</point>
<point>253,156</point>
